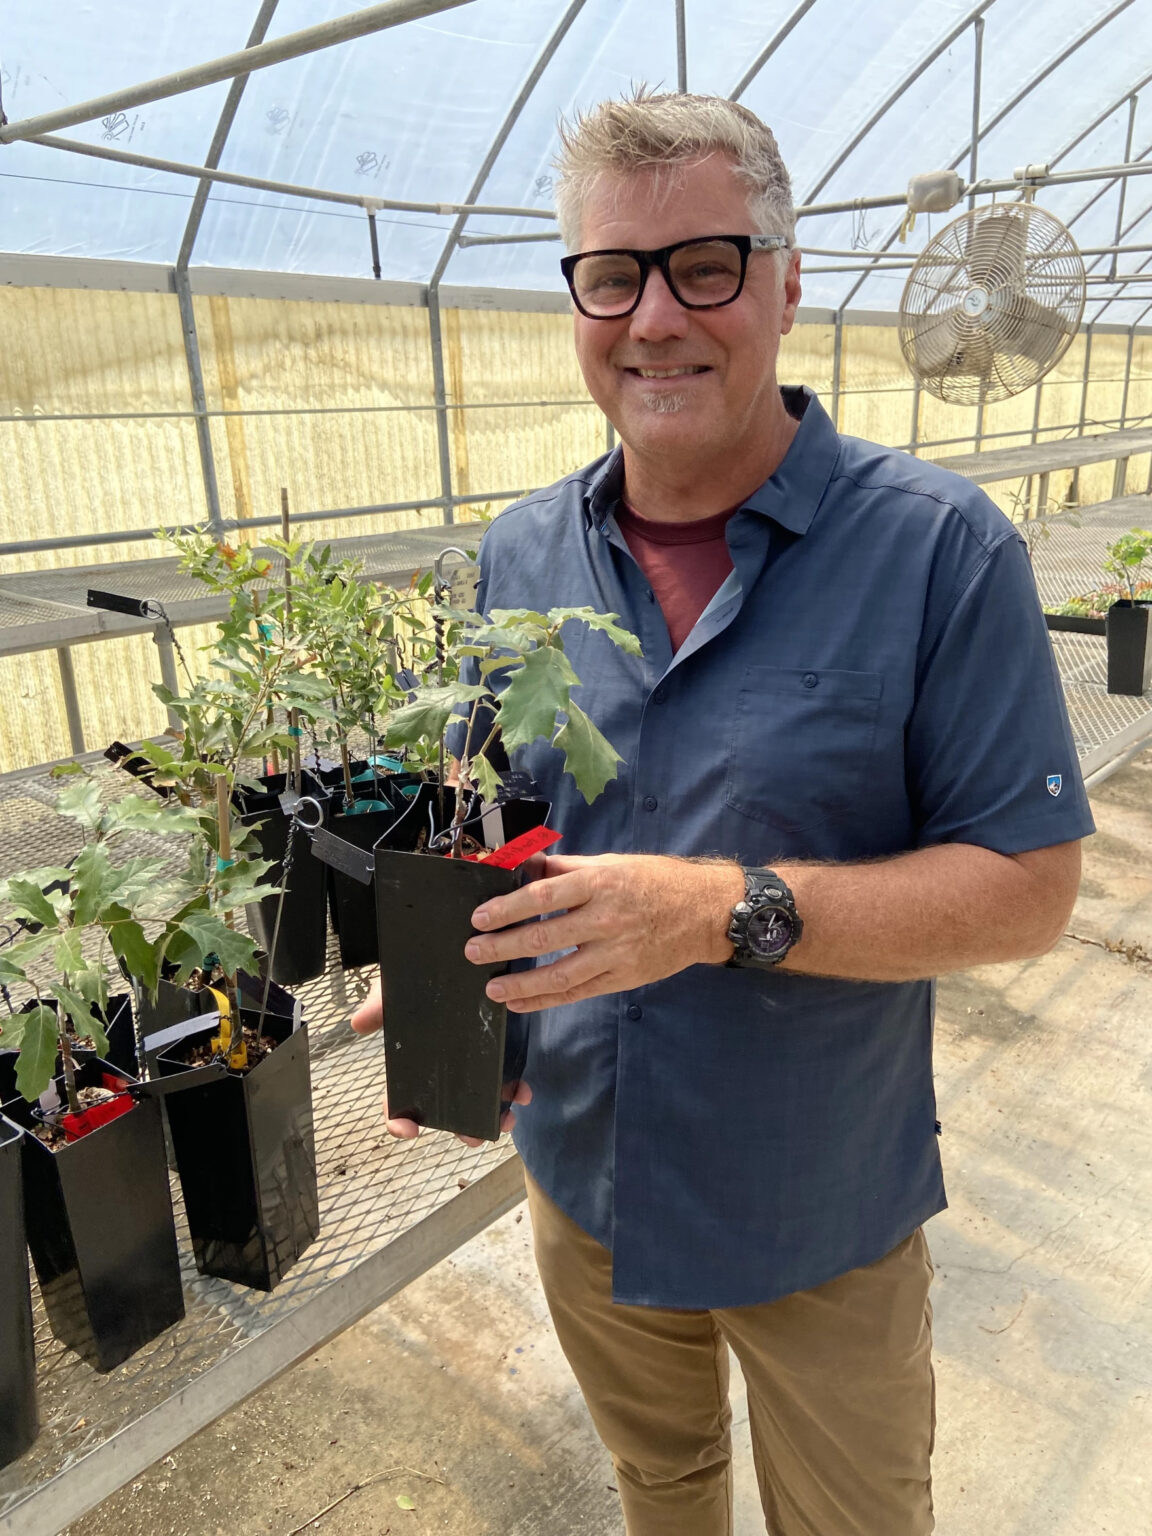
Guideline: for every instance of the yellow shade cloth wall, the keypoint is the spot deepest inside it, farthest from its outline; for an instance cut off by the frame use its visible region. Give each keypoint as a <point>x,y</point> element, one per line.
<point>336,402</point>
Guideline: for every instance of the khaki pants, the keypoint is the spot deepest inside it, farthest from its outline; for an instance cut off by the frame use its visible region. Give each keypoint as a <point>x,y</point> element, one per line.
<point>840,1393</point>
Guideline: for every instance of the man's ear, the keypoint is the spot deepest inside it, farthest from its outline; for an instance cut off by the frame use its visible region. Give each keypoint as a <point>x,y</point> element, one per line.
<point>792,292</point>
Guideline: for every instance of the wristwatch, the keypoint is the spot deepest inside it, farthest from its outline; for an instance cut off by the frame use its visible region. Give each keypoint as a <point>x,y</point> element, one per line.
<point>765,925</point>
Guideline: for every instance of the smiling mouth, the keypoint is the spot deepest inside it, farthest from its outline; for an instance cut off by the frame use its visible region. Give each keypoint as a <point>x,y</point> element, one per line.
<point>668,373</point>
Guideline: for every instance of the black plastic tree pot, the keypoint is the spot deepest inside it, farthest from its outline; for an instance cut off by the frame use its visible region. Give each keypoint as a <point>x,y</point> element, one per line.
<point>98,1214</point>
<point>1129,654</point>
<point>401,827</point>
<point>246,1155</point>
<point>1071,624</point>
<point>118,1027</point>
<point>19,1422</point>
<point>297,951</point>
<point>443,1038</point>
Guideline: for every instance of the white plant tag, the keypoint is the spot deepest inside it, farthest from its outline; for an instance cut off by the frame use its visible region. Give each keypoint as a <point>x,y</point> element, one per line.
<point>297,1014</point>
<point>50,1099</point>
<point>181,1031</point>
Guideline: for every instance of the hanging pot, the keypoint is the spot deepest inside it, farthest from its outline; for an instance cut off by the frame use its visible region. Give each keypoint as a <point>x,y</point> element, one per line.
<point>1129,654</point>
<point>296,951</point>
<point>246,1155</point>
<point>400,825</point>
<point>19,1421</point>
<point>98,1214</point>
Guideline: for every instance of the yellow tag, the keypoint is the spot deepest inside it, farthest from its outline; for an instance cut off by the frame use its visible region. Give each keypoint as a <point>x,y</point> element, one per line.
<point>238,1060</point>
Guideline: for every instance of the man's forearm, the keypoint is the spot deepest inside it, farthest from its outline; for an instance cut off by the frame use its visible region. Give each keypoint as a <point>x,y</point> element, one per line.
<point>935,910</point>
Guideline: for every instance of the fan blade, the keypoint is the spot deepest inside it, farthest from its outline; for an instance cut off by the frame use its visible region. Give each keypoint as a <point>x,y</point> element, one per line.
<point>997,247</point>
<point>934,340</point>
<point>1021,326</point>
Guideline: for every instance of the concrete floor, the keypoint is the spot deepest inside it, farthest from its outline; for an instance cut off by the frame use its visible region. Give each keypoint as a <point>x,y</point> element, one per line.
<point>454,1395</point>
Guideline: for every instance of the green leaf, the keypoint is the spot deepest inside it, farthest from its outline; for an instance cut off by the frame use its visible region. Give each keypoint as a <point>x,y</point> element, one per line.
<point>74,1004</point>
<point>67,954</point>
<point>608,623</point>
<point>38,1047</point>
<point>588,755</point>
<point>405,1501</point>
<point>212,936</point>
<point>141,958</point>
<point>94,883</point>
<point>485,777</point>
<point>30,901</point>
<point>65,770</point>
<point>81,802</point>
<point>537,691</point>
<point>16,958</point>
<point>430,714</point>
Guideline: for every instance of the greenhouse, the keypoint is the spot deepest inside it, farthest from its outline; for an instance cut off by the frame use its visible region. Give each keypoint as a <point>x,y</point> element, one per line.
<point>285,331</point>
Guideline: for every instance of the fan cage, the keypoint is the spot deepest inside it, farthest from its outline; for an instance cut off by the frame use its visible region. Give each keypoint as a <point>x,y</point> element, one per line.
<point>992,303</point>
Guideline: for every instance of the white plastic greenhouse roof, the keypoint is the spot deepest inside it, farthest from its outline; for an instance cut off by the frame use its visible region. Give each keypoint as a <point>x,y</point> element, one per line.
<point>861,96</point>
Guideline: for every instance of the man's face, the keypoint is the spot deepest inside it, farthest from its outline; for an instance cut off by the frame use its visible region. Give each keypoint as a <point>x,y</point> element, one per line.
<point>714,387</point>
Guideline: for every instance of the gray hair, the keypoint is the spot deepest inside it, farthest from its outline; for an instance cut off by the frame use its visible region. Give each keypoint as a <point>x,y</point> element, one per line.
<point>664,132</point>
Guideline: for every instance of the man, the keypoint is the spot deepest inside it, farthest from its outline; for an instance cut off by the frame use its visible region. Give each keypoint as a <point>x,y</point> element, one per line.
<point>847,770</point>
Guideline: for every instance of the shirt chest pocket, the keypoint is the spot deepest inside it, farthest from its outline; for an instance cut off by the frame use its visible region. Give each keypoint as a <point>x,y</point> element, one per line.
<point>801,744</point>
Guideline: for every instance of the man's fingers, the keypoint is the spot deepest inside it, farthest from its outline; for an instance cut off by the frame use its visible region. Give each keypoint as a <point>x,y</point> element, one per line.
<point>533,900</point>
<point>369,1017</point>
<point>566,975</point>
<point>403,1130</point>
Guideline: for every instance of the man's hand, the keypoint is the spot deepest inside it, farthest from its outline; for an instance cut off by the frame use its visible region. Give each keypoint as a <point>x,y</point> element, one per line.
<point>631,918</point>
<point>368,1018</point>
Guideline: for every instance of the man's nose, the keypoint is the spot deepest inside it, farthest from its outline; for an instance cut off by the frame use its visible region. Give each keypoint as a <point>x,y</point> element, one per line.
<point>659,315</point>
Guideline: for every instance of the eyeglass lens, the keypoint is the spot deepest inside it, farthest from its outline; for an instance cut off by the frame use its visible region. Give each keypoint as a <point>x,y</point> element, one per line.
<point>704,272</point>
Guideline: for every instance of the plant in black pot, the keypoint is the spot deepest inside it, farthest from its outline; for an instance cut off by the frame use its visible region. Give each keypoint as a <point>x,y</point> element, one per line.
<point>97,1200</point>
<point>444,1038</point>
<point>363,642</point>
<point>250,707</point>
<point>242,1134</point>
<point>1126,622</point>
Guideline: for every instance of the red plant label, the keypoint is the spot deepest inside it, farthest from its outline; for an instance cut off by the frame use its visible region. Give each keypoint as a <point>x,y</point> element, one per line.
<point>92,1119</point>
<point>513,854</point>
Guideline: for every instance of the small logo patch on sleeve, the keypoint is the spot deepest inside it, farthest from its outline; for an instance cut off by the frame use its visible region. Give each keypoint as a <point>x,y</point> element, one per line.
<point>1055,783</point>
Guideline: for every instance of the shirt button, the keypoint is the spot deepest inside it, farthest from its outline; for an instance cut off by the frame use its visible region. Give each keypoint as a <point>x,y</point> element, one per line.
<point>635,1011</point>
<point>660,694</point>
<point>810,679</point>
<point>650,802</point>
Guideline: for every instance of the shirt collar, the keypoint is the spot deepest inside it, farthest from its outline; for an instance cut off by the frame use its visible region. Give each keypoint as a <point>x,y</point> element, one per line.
<point>790,496</point>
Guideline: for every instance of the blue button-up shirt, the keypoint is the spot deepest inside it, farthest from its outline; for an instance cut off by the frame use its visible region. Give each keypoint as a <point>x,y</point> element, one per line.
<point>874,676</point>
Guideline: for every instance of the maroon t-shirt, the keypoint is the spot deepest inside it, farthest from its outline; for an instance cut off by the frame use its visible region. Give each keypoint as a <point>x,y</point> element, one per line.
<point>685,562</point>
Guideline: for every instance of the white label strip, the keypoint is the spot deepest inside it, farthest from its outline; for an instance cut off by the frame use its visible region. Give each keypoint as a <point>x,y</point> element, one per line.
<point>180,1031</point>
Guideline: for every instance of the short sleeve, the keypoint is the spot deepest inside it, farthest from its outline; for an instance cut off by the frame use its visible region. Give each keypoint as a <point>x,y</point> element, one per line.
<point>990,755</point>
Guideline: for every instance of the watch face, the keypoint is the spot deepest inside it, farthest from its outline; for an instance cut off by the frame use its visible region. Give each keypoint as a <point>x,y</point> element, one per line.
<point>770,932</point>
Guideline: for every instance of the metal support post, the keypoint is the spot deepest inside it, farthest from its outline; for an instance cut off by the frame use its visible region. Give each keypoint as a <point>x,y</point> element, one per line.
<point>1127,378</point>
<point>914,440</point>
<point>980,423</point>
<point>681,49</point>
<point>977,72</point>
<point>443,444</point>
<point>837,353</point>
<point>1132,104</point>
<point>71,700</point>
<point>1084,388</point>
<point>199,401</point>
<point>1042,493</point>
<point>168,675</point>
<point>1119,478</point>
<point>609,435</point>
<point>1036,414</point>
<point>375,245</point>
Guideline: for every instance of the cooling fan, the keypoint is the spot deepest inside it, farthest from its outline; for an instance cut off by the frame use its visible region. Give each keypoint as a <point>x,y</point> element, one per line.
<point>992,303</point>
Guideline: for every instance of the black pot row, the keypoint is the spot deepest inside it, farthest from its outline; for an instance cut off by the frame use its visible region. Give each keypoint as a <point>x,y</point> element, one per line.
<point>96,1213</point>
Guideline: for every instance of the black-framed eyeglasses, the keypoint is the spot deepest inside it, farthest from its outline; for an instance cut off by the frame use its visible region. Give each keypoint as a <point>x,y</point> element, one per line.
<point>701,274</point>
